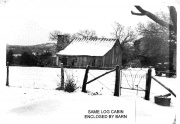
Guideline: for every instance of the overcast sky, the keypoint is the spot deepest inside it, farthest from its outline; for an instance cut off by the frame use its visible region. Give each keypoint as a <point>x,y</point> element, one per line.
<point>28,22</point>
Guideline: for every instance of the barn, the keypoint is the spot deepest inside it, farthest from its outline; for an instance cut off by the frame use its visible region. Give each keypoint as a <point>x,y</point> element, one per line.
<point>96,52</point>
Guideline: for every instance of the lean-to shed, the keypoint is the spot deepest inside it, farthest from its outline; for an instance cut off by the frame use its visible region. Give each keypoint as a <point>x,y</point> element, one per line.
<point>96,52</point>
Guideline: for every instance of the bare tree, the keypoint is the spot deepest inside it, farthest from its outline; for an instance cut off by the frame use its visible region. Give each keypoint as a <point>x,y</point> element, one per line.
<point>154,41</point>
<point>125,35</point>
<point>54,35</point>
<point>61,44</point>
<point>86,34</point>
<point>118,32</point>
<point>171,25</point>
<point>152,29</point>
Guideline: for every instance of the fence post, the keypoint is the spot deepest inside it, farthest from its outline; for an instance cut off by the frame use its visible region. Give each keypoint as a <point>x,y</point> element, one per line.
<point>7,80</point>
<point>62,77</point>
<point>148,84</point>
<point>120,71</point>
<point>85,79</point>
<point>116,89</point>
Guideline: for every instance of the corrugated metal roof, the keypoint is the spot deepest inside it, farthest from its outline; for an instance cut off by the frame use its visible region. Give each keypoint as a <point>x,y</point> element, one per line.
<point>88,47</point>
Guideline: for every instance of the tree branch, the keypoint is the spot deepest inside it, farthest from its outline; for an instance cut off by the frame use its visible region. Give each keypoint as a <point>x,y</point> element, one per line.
<point>154,18</point>
<point>139,14</point>
<point>173,15</point>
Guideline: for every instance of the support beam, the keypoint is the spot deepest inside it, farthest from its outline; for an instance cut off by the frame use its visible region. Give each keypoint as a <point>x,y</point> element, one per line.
<point>164,86</point>
<point>100,76</point>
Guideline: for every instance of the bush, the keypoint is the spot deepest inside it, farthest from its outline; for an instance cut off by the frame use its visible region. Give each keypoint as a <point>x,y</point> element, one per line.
<point>70,86</point>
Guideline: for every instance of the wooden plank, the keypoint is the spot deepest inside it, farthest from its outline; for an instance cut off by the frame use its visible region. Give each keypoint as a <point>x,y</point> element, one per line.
<point>100,76</point>
<point>164,86</point>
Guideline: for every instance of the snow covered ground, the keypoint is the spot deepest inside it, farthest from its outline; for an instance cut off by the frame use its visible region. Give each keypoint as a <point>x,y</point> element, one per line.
<point>31,98</point>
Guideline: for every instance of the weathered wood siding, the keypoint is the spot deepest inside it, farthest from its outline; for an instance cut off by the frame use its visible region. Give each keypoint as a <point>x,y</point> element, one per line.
<point>112,58</point>
<point>83,61</point>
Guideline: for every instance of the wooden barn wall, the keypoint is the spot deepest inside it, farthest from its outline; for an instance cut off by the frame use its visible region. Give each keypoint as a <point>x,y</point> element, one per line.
<point>113,57</point>
<point>83,61</point>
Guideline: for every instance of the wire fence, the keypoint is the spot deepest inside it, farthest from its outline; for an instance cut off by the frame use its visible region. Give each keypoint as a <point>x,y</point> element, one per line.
<point>132,78</point>
<point>50,78</point>
<point>34,77</point>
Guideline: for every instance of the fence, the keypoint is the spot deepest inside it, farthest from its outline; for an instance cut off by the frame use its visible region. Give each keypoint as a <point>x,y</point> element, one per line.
<point>133,79</point>
<point>51,78</point>
<point>118,81</point>
<point>147,89</point>
<point>168,89</point>
<point>33,77</point>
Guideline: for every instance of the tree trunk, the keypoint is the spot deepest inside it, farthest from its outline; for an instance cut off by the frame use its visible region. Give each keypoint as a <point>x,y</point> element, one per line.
<point>171,57</point>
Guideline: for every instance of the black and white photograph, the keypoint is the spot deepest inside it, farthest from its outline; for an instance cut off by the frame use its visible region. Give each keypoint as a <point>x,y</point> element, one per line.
<point>89,61</point>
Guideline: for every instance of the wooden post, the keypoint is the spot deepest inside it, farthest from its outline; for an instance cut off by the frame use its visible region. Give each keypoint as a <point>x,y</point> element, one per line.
<point>148,84</point>
<point>116,89</point>
<point>120,81</point>
<point>100,76</point>
<point>164,86</point>
<point>85,79</point>
<point>7,80</point>
<point>62,77</point>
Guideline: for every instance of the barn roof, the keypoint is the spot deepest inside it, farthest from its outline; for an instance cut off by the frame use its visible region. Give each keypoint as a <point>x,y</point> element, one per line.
<point>88,47</point>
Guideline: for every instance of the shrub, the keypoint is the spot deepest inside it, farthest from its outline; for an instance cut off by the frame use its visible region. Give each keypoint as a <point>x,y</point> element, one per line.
<point>70,86</point>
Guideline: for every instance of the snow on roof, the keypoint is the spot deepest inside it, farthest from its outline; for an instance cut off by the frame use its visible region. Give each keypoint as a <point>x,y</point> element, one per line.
<point>88,47</point>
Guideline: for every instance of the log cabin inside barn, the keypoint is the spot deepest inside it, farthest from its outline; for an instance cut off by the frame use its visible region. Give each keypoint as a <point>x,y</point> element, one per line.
<point>96,52</point>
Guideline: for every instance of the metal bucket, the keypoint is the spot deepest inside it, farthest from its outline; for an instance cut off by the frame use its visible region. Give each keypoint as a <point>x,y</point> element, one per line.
<point>161,100</point>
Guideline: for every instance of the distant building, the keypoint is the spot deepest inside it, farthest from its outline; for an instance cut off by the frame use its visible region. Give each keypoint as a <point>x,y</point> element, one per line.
<point>96,52</point>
